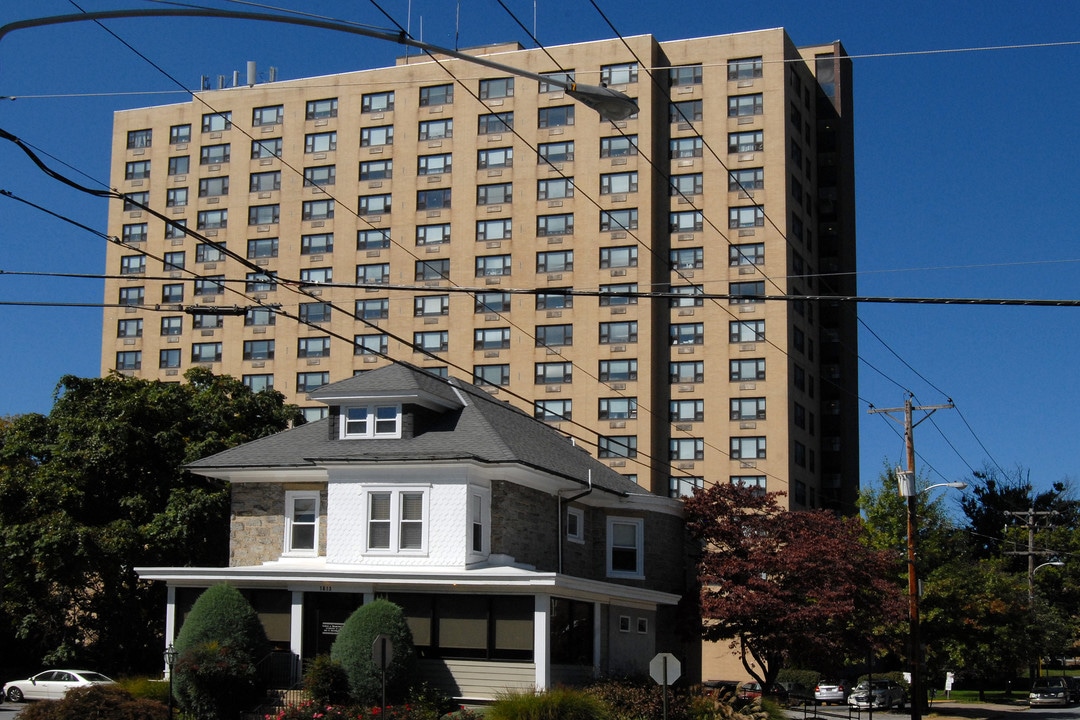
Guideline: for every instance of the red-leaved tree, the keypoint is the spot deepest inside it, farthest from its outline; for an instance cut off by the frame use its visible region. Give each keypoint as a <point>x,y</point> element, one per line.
<point>783,585</point>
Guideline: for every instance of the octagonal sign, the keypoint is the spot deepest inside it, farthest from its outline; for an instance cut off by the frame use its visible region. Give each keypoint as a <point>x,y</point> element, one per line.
<point>665,668</point>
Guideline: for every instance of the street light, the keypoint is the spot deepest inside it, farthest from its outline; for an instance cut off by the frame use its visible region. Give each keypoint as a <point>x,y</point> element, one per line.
<point>906,482</point>
<point>1031,579</point>
<point>170,660</point>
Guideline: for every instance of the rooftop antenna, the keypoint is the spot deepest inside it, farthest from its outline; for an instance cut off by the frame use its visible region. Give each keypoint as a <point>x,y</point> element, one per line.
<point>457,25</point>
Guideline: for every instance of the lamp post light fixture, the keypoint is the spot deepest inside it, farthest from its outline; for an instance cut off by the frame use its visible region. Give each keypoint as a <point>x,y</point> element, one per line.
<point>1031,579</point>
<point>170,660</point>
<point>906,482</point>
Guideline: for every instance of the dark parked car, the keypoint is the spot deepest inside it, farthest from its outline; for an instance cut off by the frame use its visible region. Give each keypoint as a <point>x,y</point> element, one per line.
<point>1049,691</point>
<point>792,693</point>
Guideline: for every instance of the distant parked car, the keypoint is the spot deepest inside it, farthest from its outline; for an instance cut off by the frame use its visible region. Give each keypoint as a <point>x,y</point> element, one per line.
<point>832,691</point>
<point>52,684</point>
<point>749,690</point>
<point>1049,691</point>
<point>878,694</point>
<point>792,693</point>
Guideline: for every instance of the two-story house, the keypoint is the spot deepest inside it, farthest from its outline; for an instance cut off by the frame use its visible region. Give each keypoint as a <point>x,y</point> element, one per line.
<point>520,561</point>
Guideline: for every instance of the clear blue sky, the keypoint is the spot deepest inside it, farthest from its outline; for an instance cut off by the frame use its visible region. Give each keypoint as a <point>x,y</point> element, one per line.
<point>966,173</point>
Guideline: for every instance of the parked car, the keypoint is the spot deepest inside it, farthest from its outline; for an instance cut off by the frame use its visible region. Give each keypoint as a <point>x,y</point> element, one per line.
<point>52,684</point>
<point>879,694</point>
<point>792,693</point>
<point>832,691</point>
<point>748,690</point>
<point>1049,691</point>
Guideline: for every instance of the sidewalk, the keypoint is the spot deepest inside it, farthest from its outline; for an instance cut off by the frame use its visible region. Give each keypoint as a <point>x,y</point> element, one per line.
<point>949,710</point>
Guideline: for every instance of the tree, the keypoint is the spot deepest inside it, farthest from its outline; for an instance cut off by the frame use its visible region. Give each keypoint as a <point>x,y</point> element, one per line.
<point>353,649</point>
<point>786,585</point>
<point>96,488</point>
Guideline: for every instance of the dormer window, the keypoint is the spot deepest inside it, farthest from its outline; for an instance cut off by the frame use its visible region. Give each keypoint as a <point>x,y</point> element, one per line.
<point>371,421</point>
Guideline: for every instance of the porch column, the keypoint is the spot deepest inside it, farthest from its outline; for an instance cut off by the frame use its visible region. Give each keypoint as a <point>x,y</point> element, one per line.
<point>542,640</point>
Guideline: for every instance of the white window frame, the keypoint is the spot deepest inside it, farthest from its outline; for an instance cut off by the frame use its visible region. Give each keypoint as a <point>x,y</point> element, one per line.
<point>479,509</point>
<point>369,426</point>
<point>638,525</point>
<point>395,492</point>
<point>291,496</point>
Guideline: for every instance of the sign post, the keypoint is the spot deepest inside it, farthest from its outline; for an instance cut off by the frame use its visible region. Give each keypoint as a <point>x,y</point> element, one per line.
<point>665,669</point>
<point>382,652</point>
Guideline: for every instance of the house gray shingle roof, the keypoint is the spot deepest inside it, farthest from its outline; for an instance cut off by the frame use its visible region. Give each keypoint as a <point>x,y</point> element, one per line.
<point>470,425</point>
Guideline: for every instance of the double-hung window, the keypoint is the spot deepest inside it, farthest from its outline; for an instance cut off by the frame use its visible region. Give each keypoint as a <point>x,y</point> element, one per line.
<point>301,522</point>
<point>371,421</point>
<point>396,520</point>
<point>625,547</point>
<point>377,102</point>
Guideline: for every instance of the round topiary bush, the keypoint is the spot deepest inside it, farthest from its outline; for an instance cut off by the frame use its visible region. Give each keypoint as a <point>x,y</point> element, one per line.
<point>353,650</point>
<point>326,682</point>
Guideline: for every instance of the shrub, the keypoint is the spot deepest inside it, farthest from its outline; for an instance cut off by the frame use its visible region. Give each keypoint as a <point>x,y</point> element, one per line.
<point>96,702</point>
<point>143,687</point>
<point>221,614</point>
<point>638,699</point>
<point>724,705</point>
<point>326,682</point>
<point>558,704</point>
<point>353,646</point>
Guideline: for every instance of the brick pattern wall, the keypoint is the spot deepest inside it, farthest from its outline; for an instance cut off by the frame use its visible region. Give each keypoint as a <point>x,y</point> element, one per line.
<point>257,528</point>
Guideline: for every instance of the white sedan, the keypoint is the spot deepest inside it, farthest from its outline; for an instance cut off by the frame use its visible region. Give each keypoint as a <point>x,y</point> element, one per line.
<point>52,684</point>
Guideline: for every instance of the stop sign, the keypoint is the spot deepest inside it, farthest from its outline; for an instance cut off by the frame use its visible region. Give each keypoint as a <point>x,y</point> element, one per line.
<point>665,668</point>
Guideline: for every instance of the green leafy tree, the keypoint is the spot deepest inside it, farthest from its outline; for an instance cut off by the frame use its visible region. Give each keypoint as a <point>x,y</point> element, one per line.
<point>219,646</point>
<point>353,650</point>
<point>96,488</point>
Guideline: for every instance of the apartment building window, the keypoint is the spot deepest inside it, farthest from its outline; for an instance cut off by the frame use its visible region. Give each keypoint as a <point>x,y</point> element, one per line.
<point>555,261</point>
<point>617,446</point>
<point>172,293</point>
<point>554,335</point>
<point>206,352</point>
<point>317,210</point>
<point>554,373</point>
<point>374,239</point>
<point>180,165</point>
<point>437,95</point>
<point>622,256</point>
<point>211,285</point>
<point>214,154</point>
<point>258,349</point>
<point>493,265</point>
<point>373,273</point>
<point>555,152</point>
<point>320,175</point>
<point>686,410</point>
<point>746,217</point>
<point>555,189</point>
<point>495,194</point>
<point>132,264</point>
<point>268,115</point>
<point>132,296</point>
<point>493,123</point>
<point>500,229</point>
<point>216,186</point>
<point>373,309</point>
<point>494,375</point>
<point>320,142</point>
<point>374,204</point>
<point>746,254</point>
<point>317,276</point>
<point>687,449</point>
<point>315,312</point>
<point>436,199</point>
<point>257,317</point>
<point>685,75</point>
<point>175,229</point>
<point>618,370</point>
<point>746,141</point>
<point>745,179</point>
<point>746,293</point>
<point>688,296</point>
<point>748,448</point>
<point>431,305</point>
<point>172,325</point>
<point>212,219</point>
<point>684,485</point>
<point>495,158</point>
<point>207,322</point>
<point>321,109</point>
<point>492,302</point>
<point>433,269</point>
<point>313,347</point>
<point>217,122</point>
<point>798,339</point>
<point>622,408</point>
<point>620,74</point>
<point>265,148</point>
<point>561,224</point>
<point>434,164</point>
<point>748,408</point>
<point>685,111</point>
<point>377,136</point>
<point>317,244</point>
<point>396,521</point>
<point>264,214</point>
<point>260,282</point>
<point>129,360</point>
<point>553,410</point>
<point>687,147</point>
<point>619,146</point>
<point>440,129</point>
<point>624,219</point>
<point>137,170</point>
<point>309,381</point>
<point>377,102</point>
<point>745,105</point>
<point>259,382</point>
<point>433,234</point>
<point>491,338</point>
<point>137,139</point>
<point>625,547</point>
<point>744,68</point>
<point>686,372</point>
<point>560,76</point>
<point>742,331</point>
<point>554,299</point>
<point>495,88</point>
<point>376,170</point>
<point>687,333</point>
<point>206,253</point>
<point>619,183</point>
<point>175,260</point>
<point>133,233</point>
<point>757,482</point>
<point>557,116</point>
<point>168,359</point>
<point>179,134</point>
<point>618,333</point>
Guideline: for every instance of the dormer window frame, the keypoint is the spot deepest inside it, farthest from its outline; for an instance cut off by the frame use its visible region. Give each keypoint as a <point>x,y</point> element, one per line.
<point>370,421</point>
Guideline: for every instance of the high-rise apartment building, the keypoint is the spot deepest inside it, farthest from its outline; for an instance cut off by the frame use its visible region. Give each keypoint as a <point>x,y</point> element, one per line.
<point>440,213</point>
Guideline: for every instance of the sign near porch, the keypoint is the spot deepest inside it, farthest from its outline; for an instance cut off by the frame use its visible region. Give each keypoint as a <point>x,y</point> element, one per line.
<point>665,668</point>
<point>382,651</point>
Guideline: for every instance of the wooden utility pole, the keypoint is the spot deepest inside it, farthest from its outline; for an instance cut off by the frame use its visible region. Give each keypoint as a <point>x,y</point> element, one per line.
<point>907,489</point>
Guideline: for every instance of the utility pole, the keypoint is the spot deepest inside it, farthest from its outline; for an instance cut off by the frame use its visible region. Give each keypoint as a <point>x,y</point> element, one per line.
<point>907,489</point>
<point>1030,518</point>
